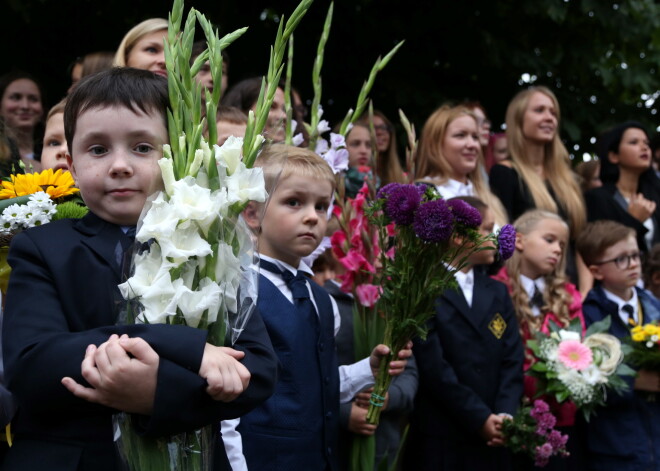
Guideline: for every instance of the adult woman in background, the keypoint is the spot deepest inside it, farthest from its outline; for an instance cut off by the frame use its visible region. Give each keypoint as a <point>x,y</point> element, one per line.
<point>540,174</point>
<point>449,157</point>
<point>21,107</point>
<point>142,47</point>
<point>631,190</point>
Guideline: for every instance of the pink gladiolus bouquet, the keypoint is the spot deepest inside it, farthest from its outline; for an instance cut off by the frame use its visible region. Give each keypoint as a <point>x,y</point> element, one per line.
<point>580,369</point>
<point>531,432</point>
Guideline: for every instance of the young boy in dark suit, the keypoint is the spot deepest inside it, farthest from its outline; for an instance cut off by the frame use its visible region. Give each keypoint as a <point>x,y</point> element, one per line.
<point>470,372</point>
<point>297,428</point>
<point>623,435</point>
<point>61,305</point>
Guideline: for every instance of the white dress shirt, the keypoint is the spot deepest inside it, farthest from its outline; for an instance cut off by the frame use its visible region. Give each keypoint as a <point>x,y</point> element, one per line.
<point>452,188</point>
<point>529,284</point>
<point>466,283</point>
<point>621,302</point>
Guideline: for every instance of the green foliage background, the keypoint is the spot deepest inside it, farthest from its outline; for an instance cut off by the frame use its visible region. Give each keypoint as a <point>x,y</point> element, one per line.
<point>600,57</point>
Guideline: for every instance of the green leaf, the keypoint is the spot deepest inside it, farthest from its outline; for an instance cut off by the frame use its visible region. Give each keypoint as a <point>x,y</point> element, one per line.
<point>600,326</point>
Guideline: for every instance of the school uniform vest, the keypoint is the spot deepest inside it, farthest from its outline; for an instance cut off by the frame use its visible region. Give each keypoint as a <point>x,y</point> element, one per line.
<point>296,429</point>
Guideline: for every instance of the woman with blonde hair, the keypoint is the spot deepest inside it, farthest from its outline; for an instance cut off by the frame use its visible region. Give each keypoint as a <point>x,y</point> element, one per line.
<point>540,174</point>
<point>142,47</point>
<point>449,157</point>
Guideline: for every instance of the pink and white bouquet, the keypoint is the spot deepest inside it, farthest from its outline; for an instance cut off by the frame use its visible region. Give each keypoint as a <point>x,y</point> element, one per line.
<point>579,368</point>
<point>531,432</point>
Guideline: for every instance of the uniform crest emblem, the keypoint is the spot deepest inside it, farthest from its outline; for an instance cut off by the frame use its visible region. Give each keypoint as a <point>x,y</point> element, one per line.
<point>497,326</point>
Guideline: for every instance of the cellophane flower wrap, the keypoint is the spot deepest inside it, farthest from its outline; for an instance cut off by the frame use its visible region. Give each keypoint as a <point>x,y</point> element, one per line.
<point>193,252</point>
<point>644,343</point>
<point>532,432</point>
<point>577,368</point>
<point>418,260</point>
<point>33,199</point>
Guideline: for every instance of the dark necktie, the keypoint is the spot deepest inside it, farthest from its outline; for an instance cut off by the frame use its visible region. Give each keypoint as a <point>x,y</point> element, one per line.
<point>298,285</point>
<point>123,252</point>
<point>537,298</point>
<point>628,309</point>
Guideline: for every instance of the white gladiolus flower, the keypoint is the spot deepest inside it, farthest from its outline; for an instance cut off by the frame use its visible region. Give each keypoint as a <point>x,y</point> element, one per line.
<point>191,201</point>
<point>160,221</point>
<point>321,146</point>
<point>183,244</point>
<point>297,139</point>
<point>193,304</point>
<point>323,126</point>
<point>230,154</point>
<point>246,185</point>
<point>167,172</point>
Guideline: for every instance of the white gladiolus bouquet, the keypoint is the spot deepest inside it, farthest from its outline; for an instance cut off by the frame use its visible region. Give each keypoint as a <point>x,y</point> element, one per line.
<point>193,254</point>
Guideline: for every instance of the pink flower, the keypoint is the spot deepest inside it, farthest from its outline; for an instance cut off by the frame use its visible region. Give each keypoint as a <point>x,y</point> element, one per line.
<point>338,241</point>
<point>368,294</point>
<point>573,354</point>
<point>354,261</point>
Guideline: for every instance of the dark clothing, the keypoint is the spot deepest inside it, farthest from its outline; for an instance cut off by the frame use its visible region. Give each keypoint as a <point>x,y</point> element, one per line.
<point>401,393</point>
<point>470,366</point>
<point>624,435</point>
<point>607,203</point>
<point>62,297</point>
<point>296,429</point>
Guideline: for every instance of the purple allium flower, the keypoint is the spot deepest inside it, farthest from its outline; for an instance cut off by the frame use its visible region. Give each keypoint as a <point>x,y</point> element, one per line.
<point>465,214</point>
<point>433,221</point>
<point>402,202</point>
<point>506,242</point>
<point>385,191</point>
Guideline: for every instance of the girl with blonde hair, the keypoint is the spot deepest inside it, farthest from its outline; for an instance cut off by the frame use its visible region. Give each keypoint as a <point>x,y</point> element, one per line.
<point>542,295</point>
<point>142,47</point>
<point>449,157</point>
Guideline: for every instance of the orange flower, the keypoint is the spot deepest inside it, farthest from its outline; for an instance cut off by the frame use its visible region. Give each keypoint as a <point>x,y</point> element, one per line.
<point>56,184</point>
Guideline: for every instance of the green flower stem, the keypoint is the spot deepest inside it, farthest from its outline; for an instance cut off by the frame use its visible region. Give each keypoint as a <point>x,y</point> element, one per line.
<point>380,64</point>
<point>288,108</point>
<point>411,148</point>
<point>257,120</point>
<point>312,129</point>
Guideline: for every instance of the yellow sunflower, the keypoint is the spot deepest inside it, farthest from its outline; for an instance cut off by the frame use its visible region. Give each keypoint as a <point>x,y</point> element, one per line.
<point>56,184</point>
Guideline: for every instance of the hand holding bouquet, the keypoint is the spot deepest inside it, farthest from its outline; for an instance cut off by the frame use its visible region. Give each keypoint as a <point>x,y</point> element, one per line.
<point>580,369</point>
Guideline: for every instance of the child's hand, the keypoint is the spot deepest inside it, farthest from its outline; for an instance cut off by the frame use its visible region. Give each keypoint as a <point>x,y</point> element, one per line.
<point>491,430</point>
<point>357,423</point>
<point>396,366</point>
<point>362,399</point>
<point>227,378</point>
<point>640,208</point>
<point>647,381</point>
<point>119,380</point>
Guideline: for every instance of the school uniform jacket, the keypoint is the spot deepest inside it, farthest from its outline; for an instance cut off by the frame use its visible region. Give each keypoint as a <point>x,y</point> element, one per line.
<point>470,366</point>
<point>624,435</point>
<point>62,297</point>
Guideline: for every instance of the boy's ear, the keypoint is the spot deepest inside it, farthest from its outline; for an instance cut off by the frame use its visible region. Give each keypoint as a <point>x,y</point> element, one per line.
<point>519,242</point>
<point>69,162</point>
<point>252,216</point>
<point>595,272</point>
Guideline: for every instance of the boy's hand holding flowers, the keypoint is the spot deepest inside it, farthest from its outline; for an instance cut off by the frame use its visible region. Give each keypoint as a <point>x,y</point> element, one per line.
<point>491,430</point>
<point>396,367</point>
